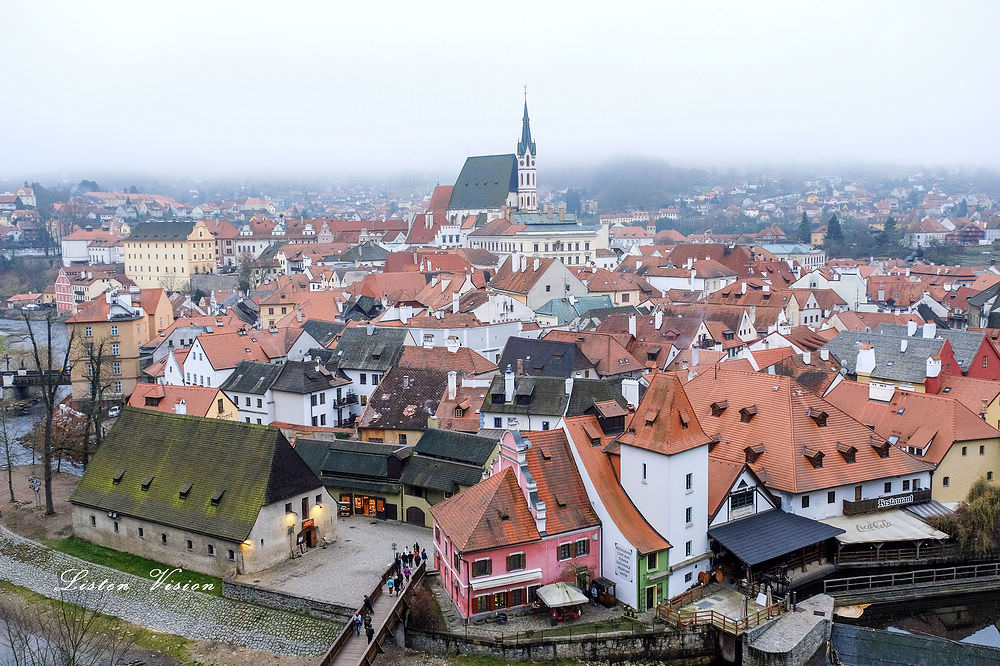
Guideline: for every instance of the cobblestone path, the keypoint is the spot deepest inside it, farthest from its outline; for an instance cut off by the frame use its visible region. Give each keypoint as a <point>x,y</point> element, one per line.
<point>193,615</point>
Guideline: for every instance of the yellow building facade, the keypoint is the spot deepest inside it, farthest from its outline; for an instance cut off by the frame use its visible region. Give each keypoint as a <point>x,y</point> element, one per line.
<point>110,329</point>
<point>965,463</point>
<point>167,254</point>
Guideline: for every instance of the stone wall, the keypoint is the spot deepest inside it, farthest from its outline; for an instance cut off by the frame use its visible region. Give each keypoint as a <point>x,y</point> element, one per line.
<point>693,646</point>
<point>793,637</point>
<point>257,595</point>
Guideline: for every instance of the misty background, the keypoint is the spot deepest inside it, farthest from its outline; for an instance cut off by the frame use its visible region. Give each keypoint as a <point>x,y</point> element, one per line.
<point>408,90</point>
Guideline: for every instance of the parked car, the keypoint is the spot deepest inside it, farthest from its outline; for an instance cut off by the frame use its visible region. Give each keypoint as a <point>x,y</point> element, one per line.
<point>114,411</point>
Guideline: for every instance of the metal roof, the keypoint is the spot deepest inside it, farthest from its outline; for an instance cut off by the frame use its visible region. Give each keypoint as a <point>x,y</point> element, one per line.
<point>771,534</point>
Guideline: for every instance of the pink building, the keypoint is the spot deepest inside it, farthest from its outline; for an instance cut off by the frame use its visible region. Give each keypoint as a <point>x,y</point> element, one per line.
<point>64,294</point>
<point>528,525</point>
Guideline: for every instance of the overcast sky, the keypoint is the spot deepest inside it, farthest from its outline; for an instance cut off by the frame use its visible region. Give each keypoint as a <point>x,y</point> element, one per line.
<point>334,87</point>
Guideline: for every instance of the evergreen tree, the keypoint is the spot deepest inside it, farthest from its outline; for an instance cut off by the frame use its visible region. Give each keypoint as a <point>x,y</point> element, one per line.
<point>805,229</point>
<point>962,209</point>
<point>833,230</point>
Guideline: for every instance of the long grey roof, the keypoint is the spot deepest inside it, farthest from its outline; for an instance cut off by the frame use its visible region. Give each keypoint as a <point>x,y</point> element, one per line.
<point>379,351</point>
<point>158,232</point>
<point>909,366</point>
<point>441,475</point>
<point>456,446</point>
<point>484,183</point>
<point>323,332</point>
<point>546,396</point>
<point>302,377</point>
<point>547,358</point>
<point>251,377</point>
<point>964,344</point>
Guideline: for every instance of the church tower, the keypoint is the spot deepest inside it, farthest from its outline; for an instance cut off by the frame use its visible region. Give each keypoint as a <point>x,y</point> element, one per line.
<point>527,197</point>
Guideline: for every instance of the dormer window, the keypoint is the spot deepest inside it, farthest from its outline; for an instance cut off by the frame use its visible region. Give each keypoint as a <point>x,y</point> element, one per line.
<point>747,413</point>
<point>847,451</point>
<point>719,406</point>
<point>651,415</point>
<point>146,483</point>
<point>217,497</point>
<point>459,412</point>
<point>117,478</point>
<point>752,453</point>
<point>818,416</point>
<point>185,491</point>
<point>881,447</point>
<point>685,419</point>
<point>814,456</point>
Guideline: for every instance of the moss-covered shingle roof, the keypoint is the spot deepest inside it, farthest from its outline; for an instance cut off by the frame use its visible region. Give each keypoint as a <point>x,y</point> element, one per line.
<point>250,465</point>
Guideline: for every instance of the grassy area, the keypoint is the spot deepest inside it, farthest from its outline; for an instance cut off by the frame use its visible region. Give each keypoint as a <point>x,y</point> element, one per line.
<point>133,564</point>
<point>145,639</point>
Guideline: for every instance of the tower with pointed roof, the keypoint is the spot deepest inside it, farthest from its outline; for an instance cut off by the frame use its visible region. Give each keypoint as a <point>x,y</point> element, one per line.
<point>527,197</point>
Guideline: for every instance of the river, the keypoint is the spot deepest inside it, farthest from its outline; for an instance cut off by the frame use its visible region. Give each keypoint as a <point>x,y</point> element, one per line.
<point>19,346</point>
<point>970,618</point>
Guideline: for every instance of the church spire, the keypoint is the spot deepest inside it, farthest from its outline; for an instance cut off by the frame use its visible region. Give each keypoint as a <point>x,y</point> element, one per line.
<point>526,144</point>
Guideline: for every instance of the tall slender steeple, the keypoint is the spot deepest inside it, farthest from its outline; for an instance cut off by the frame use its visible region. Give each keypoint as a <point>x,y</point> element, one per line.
<point>527,197</point>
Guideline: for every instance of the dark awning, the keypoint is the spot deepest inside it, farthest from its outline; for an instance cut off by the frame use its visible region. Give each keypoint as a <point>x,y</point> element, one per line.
<point>771,534</point>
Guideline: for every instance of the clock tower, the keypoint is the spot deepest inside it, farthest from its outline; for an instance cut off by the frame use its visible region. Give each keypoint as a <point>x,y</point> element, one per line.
<point>527,196</point>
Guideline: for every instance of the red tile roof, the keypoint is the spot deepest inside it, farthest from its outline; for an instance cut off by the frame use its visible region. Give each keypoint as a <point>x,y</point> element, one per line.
<point>199,401</point>
<point>491,514</point>
<point>665,420</point>
<point>782,422</point>
<point>601,473</point>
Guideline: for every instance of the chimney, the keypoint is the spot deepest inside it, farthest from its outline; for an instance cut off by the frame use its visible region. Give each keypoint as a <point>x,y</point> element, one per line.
<point>933,367</point>
<point>807,357</point>
<point>630,391</point>
<point>454,302</point>
<point>508,385</point>
<point>453,345</point>
<point>930,330</point>
<point>658,319</point>
<point>569,386</point>
<point>180,407</point>
<point>540,517</point>
<point>911,328</point>
<point>572,299</point>
<point>743,287</point>
<point>452,384</point>
<point>902,345</point>
<point>766,288</point>
<point>691,278</point>
<point>429,218</point>
<point>695,356</point>
<point>631,325</point>
<point>369,330</point>
<point>524,263</point>
<point>638,264</point>
<point>824,354</point>
<point>534,264</point>
<point>520,366</point>
<point>515,262</point>
<point>866,360</point>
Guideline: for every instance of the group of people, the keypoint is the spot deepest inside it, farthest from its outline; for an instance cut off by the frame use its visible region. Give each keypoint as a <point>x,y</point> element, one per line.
<point>403,566</point>
<point>401,575</point>
<point>366,619</point>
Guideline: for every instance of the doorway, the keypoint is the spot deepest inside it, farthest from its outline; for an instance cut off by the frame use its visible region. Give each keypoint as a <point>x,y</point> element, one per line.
<point>415,516</point>
<point>650,597</point>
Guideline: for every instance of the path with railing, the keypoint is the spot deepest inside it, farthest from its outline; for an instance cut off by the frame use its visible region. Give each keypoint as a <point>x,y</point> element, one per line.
<point>672,614</point>
<point>351,649</point>
<point>905,585</point>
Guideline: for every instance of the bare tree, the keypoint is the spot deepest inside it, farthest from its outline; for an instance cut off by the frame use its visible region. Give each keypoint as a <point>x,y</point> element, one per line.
<point>8,449</point>
<point>61,633</point>
<point>99,361</point>
<point>49,383</point>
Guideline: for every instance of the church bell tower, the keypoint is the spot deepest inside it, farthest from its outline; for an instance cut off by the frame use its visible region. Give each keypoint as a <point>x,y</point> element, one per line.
<point>527,196</point>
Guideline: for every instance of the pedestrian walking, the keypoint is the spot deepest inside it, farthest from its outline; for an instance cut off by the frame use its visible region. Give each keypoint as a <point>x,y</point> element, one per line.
<point>416,547</point>
<point>390,583</point>
<point>399,584</point>
<point>423,555</point>
<point>357,624</point>
<point>370,632</point>
<point>368,605</point>
<point>406,573</point>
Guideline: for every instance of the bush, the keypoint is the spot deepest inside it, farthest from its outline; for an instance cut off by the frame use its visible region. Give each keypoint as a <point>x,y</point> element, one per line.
<point>425,613</point>
<point>975,525</point>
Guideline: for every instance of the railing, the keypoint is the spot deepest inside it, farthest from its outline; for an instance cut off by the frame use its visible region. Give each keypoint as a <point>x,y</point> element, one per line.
<point>345,634</point>
<point>921,577</point>
<point>670,612</point>
<point>898,554</point>
<point>349,399</point>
